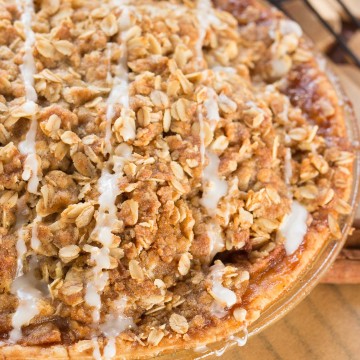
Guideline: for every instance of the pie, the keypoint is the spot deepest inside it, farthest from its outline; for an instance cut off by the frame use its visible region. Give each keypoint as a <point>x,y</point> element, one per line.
<point>168,170</point>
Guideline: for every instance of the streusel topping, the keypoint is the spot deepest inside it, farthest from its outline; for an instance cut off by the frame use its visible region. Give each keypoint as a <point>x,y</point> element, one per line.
<point>155,158</point>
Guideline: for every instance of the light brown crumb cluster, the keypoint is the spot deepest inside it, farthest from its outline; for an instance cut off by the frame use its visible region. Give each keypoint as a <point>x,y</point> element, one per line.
<point>278,138</point>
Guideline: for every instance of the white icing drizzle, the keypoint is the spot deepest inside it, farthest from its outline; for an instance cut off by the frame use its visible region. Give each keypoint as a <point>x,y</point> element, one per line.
<point>221,294</point>
<point>96,349</point>
<point>98,283</point>
<point>287,166</point>
<point>28,297</point>
<point>240,341</point>
<point>109,190</point>
<point>108,182</point>
<point>294,228</point>
<point>217,243</point>
<point>221,352</point>
<point>218,310</point>
<point>26,287</point>
<point>212,108</point>
<point>29,291</point>
<point>27,68</point>
<point>214,188</point>
<point>115,323</point>
<point>231,341</point>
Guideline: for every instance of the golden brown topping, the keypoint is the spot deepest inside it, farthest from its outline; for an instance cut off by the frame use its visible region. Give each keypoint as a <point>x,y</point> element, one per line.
<point>145,114</point>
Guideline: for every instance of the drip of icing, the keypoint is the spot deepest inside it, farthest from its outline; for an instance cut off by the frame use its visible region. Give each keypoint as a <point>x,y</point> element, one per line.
<point>231,341</point>
<point>240,341</point>
<point>212,108</point>
<point>109,190</point>
<point>221,351</point>
<point>218,310</point>
<point>294,228</point>
<point>287,166</point>
<point>217,243</point>
<point>100,278</point>
<point>96,349</point>
<point>29,291</point>
<point>110,348</point>
<point>214,188</point>
<point>26,310</point>
<point>115,323</point>
<point>223,295</point>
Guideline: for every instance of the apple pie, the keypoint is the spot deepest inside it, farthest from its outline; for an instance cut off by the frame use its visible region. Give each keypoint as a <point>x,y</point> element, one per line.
<point>168,169</point>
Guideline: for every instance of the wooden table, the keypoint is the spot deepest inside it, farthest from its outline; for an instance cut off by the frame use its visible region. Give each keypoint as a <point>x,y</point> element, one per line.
<point>325,326</point>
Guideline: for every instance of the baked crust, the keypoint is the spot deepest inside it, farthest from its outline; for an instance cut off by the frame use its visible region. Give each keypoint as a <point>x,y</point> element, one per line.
<point>323,191</point>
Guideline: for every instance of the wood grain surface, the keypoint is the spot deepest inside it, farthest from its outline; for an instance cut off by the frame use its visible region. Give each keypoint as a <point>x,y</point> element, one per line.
<point>325,326</point>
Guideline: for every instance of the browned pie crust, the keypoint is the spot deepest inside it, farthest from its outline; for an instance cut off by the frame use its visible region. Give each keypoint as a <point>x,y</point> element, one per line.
<point>321,171</point>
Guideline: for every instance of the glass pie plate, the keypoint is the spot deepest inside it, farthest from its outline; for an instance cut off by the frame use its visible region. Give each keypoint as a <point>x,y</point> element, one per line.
<point>311,276</point>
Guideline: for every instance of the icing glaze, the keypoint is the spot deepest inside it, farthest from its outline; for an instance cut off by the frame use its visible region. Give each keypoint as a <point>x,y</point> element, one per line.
<point>294,228</point>
<point>214,188</point>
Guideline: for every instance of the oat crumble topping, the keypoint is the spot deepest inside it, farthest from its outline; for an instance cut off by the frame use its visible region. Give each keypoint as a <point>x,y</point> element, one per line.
<point>148,165</point>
